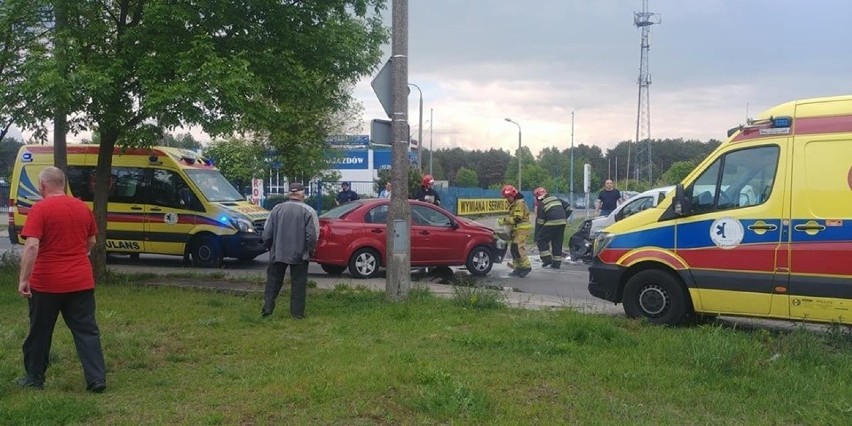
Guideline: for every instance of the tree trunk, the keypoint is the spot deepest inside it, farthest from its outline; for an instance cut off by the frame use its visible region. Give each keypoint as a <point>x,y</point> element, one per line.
<point>103,172</point>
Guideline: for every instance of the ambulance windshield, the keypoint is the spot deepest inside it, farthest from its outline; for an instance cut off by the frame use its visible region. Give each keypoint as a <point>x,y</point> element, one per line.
<point>214,186</point>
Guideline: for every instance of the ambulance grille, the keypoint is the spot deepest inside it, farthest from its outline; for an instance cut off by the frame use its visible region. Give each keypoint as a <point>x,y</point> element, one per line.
<point>258,225</point>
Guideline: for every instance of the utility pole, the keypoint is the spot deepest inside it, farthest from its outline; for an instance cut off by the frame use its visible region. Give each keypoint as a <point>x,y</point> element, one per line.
<point>431,123</point>
<point>572,157</point>
<point>419,130</point>
<point>398,280</point>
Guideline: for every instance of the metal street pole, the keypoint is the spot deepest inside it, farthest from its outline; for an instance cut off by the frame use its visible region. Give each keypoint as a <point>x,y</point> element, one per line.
<point>420,131</point>
<point>431,122</point>
<point>398,277</point>
<point>572,157</point>
<point>519,151</point>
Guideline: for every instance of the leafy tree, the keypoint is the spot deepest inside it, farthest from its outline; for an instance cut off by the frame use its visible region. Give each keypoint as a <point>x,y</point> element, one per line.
<point>414,179</point>
<point>678,171</point>
<point>237,159</point>
<point>466,178</point>
<point>142,65</point>
<point>8,152</point>
<point>181,140</point>
<point>22,27</point>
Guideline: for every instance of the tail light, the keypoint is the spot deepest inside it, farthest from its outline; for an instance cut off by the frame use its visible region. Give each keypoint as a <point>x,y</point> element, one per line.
<point>12,212</point>
<point>324,230</point>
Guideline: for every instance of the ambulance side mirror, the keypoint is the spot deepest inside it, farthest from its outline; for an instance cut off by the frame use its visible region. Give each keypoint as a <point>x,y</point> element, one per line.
<point>681,202</point>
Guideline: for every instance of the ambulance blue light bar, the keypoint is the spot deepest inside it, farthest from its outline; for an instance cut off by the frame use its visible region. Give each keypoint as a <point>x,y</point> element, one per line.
<point>782,122</point>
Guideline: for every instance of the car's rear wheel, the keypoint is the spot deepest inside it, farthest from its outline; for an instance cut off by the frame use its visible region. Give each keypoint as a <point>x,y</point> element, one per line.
<point>479,261</point>
<point>332,269</point>
<point>364,263</point>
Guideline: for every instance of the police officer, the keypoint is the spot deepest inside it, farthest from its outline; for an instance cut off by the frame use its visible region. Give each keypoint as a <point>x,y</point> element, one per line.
<point>518,223</point>
<point>550,221</point>
<point>345,195</point>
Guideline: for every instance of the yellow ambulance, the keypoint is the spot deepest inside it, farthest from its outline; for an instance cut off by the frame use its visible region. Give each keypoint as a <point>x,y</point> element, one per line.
<point>761,228</point>
<point>162,200</point>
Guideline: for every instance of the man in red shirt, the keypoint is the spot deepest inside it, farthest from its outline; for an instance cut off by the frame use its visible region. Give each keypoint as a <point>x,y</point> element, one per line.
<point>56,276</point>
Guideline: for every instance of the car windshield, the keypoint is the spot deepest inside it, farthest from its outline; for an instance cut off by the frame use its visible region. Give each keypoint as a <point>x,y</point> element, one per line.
<point>340,211</point>
<point>213,185</point>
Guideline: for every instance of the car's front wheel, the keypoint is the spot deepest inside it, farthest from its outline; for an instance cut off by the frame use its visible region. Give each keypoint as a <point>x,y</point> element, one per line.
<point>364,263</point>
<point>656,296</point>
<point>479,261</point>
<point>206,251</point>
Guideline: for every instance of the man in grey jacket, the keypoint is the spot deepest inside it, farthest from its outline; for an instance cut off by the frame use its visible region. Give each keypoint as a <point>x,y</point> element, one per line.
<point>290,234</point>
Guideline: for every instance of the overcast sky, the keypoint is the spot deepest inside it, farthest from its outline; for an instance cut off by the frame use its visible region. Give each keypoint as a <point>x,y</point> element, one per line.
<point>480,61</point>
<point>711,61</point>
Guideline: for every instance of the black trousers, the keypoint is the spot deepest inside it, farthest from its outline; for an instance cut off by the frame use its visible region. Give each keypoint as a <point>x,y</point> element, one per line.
<point>549,243</point>
<point>275,273</point>
<point>78,311</point>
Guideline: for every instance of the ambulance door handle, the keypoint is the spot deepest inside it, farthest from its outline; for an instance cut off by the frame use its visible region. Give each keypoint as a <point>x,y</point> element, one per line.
<point>768,227</point>
<point>156,209</point>
<point>810,227</point>
<point>135,208</point>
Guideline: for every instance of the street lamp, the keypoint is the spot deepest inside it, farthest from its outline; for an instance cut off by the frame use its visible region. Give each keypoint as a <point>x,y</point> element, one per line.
<point>420,130</point>
<point>519,150</point>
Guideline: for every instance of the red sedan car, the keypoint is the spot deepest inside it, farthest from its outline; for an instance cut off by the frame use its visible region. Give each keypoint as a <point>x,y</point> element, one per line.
<point>354,236</point>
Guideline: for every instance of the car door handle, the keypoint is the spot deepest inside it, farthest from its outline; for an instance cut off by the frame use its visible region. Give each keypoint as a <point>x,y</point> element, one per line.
<point>156,209</point>
<point>424,232</point>
<point>376,231</point>
<point>135,208</point>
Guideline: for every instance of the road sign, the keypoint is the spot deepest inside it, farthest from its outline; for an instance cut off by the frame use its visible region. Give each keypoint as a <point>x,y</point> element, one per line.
<point>256,190</point>
<point>380,132</point>
<point>383,86</point>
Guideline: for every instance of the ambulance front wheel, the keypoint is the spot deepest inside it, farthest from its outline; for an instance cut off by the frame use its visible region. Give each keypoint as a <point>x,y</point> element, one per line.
<point>206,251</point>
<point>656,296</point>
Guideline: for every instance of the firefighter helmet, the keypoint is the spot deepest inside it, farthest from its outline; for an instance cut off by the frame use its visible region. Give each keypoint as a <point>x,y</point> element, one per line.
<point>509,191</point>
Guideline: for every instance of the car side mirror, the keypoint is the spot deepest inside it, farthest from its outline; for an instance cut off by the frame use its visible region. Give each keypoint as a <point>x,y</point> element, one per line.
<point>454,224</point>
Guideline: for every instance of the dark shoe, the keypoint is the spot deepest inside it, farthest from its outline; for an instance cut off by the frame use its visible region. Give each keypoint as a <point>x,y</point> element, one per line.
<point>265,314</point>
<point>98,386</point>
<point>514,273</point>
<point>29,382</point>
<point>546,263</point>
<point>523,272</point>
<point>556,265</point>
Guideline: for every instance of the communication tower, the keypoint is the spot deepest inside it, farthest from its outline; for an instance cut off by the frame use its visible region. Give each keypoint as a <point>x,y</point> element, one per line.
<point>644,159</point>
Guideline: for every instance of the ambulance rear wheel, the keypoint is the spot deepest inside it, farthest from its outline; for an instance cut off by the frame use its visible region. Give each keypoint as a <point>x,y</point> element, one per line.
<point>656,296</point>
<point>206,252</point>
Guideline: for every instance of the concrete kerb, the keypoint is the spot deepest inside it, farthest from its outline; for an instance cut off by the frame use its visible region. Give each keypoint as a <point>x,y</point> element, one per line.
<point>250,282</point>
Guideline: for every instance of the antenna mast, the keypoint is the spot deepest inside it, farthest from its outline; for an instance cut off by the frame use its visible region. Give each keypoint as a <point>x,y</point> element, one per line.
<point>644,159</point>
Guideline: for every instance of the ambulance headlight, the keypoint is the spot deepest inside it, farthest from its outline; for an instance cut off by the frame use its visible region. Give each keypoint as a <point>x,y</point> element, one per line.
<point>243,224</point>
<point>602,240</point>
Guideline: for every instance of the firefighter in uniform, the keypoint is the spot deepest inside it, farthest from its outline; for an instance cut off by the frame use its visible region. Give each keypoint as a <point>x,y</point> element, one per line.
<point>518,223</point>
<point>550,221</point>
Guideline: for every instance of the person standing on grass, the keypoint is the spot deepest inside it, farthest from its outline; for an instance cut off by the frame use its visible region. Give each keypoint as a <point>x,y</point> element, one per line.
<point>290,234</point>
<point>57,277</point>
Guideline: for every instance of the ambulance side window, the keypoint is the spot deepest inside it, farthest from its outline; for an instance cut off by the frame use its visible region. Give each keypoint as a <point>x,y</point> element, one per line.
<point>127,185</point>
<point>738,179</point>
<point>168,189</point>
<point>78,181</point>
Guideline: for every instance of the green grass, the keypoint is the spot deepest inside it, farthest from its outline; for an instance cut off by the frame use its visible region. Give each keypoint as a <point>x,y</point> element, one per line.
<point>189,357</point>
